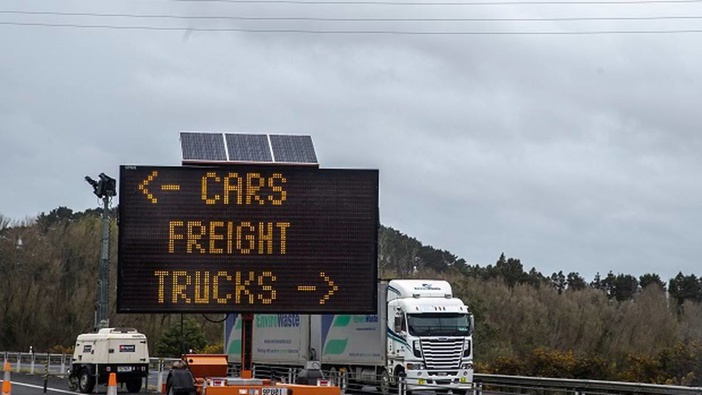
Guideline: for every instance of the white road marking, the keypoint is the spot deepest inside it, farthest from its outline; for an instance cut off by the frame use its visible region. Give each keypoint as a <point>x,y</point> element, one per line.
<point>41,387</point>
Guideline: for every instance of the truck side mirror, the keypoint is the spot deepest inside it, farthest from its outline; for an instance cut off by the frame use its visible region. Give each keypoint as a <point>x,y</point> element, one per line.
<point>472,324</point>
<point>398,323</point>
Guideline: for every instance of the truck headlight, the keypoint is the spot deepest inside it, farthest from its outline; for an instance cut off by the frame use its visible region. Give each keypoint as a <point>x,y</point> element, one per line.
<point>467,365</point>
<point>415,366</point>
<point>417,348</point>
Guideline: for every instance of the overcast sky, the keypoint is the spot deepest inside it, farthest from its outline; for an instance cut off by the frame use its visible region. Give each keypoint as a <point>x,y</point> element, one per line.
<point>570,151</point>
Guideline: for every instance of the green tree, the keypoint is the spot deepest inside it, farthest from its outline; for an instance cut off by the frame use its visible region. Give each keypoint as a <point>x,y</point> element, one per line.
<point>649,279</point>
<point>511,270</point>
<point>534,278</point>
<point>597,282</point>
<point>558,280</point>
<point>575,282</point>
<point>683,288</point>
<point>178,339</point>
<point>620,287</point>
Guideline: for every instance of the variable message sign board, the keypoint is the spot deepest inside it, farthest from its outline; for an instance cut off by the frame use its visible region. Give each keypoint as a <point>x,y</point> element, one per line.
<point>247,239</point>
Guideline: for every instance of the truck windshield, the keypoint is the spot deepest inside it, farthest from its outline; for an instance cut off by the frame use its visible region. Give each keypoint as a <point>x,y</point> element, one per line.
<point>438,324</point>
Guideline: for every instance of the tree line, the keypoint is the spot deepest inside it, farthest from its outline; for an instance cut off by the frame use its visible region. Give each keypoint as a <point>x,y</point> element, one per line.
<point>405,256</point>
<point>615,326</point>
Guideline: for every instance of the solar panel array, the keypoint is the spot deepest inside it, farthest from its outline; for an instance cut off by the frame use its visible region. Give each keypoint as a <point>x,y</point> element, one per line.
<point>202,147</point>
<point>248,147</point>
<point>206,147</point>
<point>293,149</point>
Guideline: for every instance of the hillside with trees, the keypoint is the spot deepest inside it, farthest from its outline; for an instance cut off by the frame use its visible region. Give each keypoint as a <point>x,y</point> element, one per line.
<point>614,326</point>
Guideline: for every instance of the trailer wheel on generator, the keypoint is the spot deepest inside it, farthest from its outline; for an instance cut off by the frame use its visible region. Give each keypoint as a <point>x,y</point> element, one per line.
<point>86,381</point>
<point>134,385</point>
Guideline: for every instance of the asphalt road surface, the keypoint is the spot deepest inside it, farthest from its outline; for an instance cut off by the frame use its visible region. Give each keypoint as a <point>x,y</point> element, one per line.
<point>25,384</point>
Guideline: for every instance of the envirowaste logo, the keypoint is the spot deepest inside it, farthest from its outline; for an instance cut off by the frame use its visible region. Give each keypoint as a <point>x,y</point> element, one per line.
<point>337,346</point>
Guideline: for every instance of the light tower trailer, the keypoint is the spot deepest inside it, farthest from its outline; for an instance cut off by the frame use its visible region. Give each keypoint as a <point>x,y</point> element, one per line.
<point>123,351</point>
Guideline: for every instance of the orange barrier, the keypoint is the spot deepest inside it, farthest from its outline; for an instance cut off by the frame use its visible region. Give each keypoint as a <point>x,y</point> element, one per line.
<point>112,384</point>
<point>275,389</point>
<point>6,381</point>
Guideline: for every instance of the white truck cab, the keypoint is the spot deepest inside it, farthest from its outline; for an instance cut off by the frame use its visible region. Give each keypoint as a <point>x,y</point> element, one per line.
<point>429,335</point>
<point>123,351</point>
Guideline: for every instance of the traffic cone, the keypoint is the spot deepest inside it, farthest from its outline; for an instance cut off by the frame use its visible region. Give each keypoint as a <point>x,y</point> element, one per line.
<point>112,384</point>
<point>6,382</point>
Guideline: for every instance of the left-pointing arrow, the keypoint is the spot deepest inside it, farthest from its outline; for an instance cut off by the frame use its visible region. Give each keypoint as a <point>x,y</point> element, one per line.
<point>164,187</point>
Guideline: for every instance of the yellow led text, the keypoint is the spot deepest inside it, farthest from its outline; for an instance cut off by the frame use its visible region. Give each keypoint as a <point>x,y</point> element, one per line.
<point>204,287</point>
<point>244,189</point>
<point>227,237</point>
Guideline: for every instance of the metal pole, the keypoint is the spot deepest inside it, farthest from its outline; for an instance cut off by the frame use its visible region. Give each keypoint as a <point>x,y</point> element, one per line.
<point>159,382</point>
<point>46,371</point>
<point>103,320</point>
<point>182,337</point>
<point>402,384</point>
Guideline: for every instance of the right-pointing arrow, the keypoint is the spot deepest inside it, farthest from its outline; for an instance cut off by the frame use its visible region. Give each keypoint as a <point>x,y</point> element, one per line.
<point>332,287</point>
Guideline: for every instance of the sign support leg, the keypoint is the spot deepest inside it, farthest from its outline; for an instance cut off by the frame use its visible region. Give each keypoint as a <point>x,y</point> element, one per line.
<point>246,345</point>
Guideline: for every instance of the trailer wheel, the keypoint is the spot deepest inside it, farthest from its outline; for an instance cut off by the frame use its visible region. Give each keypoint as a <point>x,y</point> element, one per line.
<point>86,381</point>
<point>134,385</point>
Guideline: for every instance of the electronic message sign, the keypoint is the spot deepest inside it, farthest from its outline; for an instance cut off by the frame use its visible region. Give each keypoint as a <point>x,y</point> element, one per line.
<point>263,239</point>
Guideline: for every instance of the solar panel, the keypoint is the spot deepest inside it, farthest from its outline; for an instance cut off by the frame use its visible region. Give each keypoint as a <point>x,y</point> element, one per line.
<point>248,148</point>
<point>202,147</point>
<point>293,149</point>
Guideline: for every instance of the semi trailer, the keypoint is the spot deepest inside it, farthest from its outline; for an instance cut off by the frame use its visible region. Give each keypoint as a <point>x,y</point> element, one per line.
<point>421,334</point>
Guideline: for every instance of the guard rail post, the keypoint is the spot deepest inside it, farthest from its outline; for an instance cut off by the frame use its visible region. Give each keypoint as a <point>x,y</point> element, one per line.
<point>19,361</point>
<point>46,371</point>
<point>31,362</point>
<point>477,387</point>
<point>63,363</point>
<point>342,380</point>
<point>402,384</point>
<point>159,381</point>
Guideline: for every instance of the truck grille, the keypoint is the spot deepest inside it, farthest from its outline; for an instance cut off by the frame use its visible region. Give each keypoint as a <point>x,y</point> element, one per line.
<point>442,354</point>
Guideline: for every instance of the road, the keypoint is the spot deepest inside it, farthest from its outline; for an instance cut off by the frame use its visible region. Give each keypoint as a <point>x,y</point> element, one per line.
<point>25,384</point>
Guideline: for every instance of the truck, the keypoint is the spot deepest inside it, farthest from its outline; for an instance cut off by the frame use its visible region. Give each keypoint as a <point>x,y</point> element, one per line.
<point>123,351</point>
<point>421,335</point>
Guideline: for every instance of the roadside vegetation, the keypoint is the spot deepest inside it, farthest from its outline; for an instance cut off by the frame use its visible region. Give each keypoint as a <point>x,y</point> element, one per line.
<point>612,327</point>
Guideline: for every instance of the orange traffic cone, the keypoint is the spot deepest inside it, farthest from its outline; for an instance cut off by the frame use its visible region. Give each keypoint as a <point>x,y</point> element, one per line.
<point>112,384</point>
<point>6,382</point>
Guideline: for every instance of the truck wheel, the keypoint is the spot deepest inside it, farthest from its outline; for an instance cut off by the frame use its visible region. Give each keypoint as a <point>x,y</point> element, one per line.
<point>134,385</point>
<point>86,382</point>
